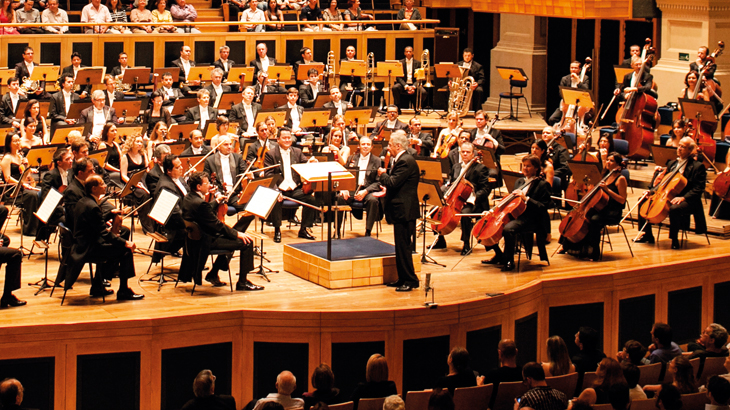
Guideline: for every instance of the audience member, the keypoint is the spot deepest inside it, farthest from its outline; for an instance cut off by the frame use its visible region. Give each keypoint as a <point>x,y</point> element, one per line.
<point>253,13</point>
<point>162,15</point>
<point>408,13</point>
<point>354,13</point>
<point>539,395</point>
<point>577,404</point>
<point>558,363</point>
<point>27,14</point>
<point>619,396</point>
<point>54,15</point>
<point>589,356</point>
<point>7,16</point>
<point>633,352</point>
<point>632,373</point>
<point>186,13</point>
<point>507,370</point>
<point>718,391</point>
<point>393,402</point>
<point>272,405</point>
<point>142,15</point>
<point>608,374</point>
<point>286,383</point>
<point>11,394</point>
<point>118,15</point>
<point>682,376</point>
<point>323,380</point>
<point>273,13</point>
<point>376,381</point>
<point>711,343</point>
<point>669,398</point>
<point>311,12</point>
<point>290,4</point>
<point>440,400</point>
<point>662,349</point>
<point>460,375</point>
<point>332,13</point>
<point>97,14</point>
<point>205,397</point>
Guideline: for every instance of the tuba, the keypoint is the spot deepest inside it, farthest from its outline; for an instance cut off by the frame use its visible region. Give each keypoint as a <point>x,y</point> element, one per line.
<point>460,95</point>
<point>29,86</point>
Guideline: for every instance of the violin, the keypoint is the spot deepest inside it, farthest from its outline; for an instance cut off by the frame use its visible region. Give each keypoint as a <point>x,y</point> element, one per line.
<point>445,143</point>
<point>488,230</point>
<point>656,208</point>
<point>455,199</point>
<point>261,154</point>
<point>386,163</point>
<point>574,227</point>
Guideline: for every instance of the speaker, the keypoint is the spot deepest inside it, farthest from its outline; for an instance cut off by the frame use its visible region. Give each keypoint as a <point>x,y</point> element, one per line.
<point>446,45</point>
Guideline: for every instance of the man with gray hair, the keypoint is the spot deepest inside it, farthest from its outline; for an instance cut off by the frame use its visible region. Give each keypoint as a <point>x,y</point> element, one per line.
<point>98,114</point>
<point>223,62</point>
<point>158,155</point>
<point>205,397</point>
<point>286,383</point>
<point>711,343</point>
<point>393,402</point>
<point>401,207</point>
<point>11,394</point>
<point>201,113</point>
<point>215,88</point>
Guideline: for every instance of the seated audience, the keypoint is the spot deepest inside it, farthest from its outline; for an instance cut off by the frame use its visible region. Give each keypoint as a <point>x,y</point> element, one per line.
<point>408,12</point>
<point>323,380</point>
<point>205,397</point>
<point>7,16</point>
<point>393,402</point>
<point>142,15</point>
<point>118,15</point>
<point>183,12</point>
<point>97,14</point>
<point>460,375</point>
<point>376,381</point>
<point>332,13</point>
<point>558,363</point>
<point>711,343</point>
<point>633,352</point>
<point>253,13</point>
<point>609,374</point>
<point>589,356</point>
<point>507,370</point>
<point>162,15</point>
<point>669,398</point>
<point>619,397</point>
<point>11,394</point>
<point>354,13</point>
<point>718,391</point>
<point>539,395</point>
<point>662,349</point>
<point>632,373</point>
<point>27,14</point>
<point>311,12</point>
<point>683,377</point>
<point>54,15</point>
<point>286,383</point>
<point>275,16</point>
<point>290,4</point>
<point>440,400</point>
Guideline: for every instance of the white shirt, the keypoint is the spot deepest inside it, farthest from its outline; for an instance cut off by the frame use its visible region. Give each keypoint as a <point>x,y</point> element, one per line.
<point>265,64</point>
<point>363,165</point>
<point>197,151</point>
<point>30,67</point>
<point>467,65</point>
<point>315,90</point>
<point>169,91</point>
<point>204,118</point>
<point>248,110</point>
<point>409,71</point>
<point>218,93</point>
<point>390,124</point>
<point>14,98</point>
<point>288,183</point>
<point>295,120</point>
<point>180,186</point>
<point>111,97</point>
<point>225,64</point>
<point>64,176</point>
<point>186,67</point>
<point>99,121</point>
<point>573,82</point>
<point>339,107</point>
<point>67,99</point>
<point>226,171</point>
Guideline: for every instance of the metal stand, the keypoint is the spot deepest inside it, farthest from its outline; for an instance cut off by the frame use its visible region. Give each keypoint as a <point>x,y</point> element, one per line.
<point>43,284</point>
<point>425,258</point>
<point>262,269</point>
<point>429,287</point>
<point>162,277</point>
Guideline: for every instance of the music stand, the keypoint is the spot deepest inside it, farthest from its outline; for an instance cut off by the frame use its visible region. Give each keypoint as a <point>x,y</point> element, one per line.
<point>176,148</point>
<point>42,156</point>
<point>261,200</point>
<point>488,158</point>
<point>322,99</point>
<point>99,156</point>
<point>44,213</point>
<point>228,100</point>
<point>360,116</point>
<point>662,154</point>
<point>174,71</point>
<point>577,97</point>
<point>89,76</point>
<point>272,100</point>
<point>74,112</point>
<point>278,115</point>
<point>241,72</point>
<point>136,76</point>
<point>389,69</point>
<point>512,74</point>
<point>510,178</point>
<point>246,144</point>
<point>182,131</point>
<point>429,193</point>
<point>199,73</point>
<point>303,69</point>
<point>6,74</point>
<point>60,133</point>
<point>314,117</point>
<point>280,72</point>
<point>182,104</point>
<point>4,131</point>
<point>45,73</point>
<point>189,161</point>
<point>430,169</point>
<point>587,172</point>
<point>700,110</point>
<point>44,105</point>
<point>621,72</point>
<point>126,108</point>
<point>447,70</point>
<point>160,213</point>
<point>125,131</point>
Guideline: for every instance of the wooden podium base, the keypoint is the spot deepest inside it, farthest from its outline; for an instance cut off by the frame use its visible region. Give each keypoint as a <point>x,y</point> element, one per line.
<point>345,273</point>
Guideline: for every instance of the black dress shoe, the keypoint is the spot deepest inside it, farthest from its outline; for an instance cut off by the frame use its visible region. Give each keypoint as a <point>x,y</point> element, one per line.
<point>440,243</point>
<point>217,283</point>
<point>294,220</point>
<point>675,244</point>
<point>106,283</point>
<point>646,239</point>
<point>306,235</point>
<point>496,260</point>
<point>394,284</point>
<point>128,294</point>
<point>101,292</point>
<point>248,286</point>
<point>509,266</point>
<point>403,288</point>
<point>11,301</point>
<point>465,250</point>
<point>277,236</point>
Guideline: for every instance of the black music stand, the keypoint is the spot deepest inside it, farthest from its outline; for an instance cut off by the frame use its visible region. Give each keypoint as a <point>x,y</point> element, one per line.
<point>260,201</point>
<point>44,212</point>
<point>429,193</point>
<point>512,74</point>
<point>160,213</point>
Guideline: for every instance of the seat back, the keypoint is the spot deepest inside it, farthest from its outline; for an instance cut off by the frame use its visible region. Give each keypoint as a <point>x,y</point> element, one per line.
<point>695,367</point>
<point>506,394</point>
<point>644,404</point>
<point>473,398</point>
<point>712,366</point>
<point>694,401</point>
<point>606,406</point>
<point>588,379</point>
<point>621,146</point>
<point>565,383</point>
<point>417,400</point>
<point>371,404</point>
<point>344,406</point>
<point>649,374</point>
<point>518,83</point>
<point>193,231</point>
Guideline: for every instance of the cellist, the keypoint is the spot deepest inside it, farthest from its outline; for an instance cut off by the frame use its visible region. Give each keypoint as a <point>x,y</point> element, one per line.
<point>689,200</point>
<point>535,217</point>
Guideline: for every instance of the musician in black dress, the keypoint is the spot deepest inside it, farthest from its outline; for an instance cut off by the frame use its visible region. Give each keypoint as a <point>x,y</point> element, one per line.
<point>689,200</point>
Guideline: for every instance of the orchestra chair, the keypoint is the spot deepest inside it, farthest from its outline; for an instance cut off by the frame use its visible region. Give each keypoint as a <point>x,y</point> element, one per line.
<point>606,406</point>
<point>359,205</point>
<point>710,367</point>
<point>644,404</point>
<point>695,367</point>
<point>557,191</point>
<point>524,241</point>
<point>67,233</point>
<point>371,404</point>
<point>472,398</point>
<point>511,95</point>
<point>565,383</point>
<point>589,379</point>
<point>649,374</point>
<point>621,146</point>
<point>695,401</point>
<point>344,406</point>
<point>684,229</point>
<point>506,393</point>
<point>417,400</point>
<point>721,149</point>
<point>193,249</point>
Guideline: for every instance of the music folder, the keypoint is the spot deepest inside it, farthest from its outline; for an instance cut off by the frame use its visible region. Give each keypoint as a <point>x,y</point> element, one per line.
<point>49,204</point>
<point>163,206</point>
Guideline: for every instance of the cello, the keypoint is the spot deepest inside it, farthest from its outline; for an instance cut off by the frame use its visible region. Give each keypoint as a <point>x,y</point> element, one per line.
<point>656,207</point>
<point>574,227</point>
<point>454,199</point>
<point>488,230</point>
<point>637,119</point>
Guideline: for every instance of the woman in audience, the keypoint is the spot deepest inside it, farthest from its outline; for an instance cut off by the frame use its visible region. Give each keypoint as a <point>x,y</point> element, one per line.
<point>323,380</point>
<point>408,12</point>
<point>28,138</point>
<point>274,14</point>
<point>141,15</point>
<point>33,110</point>
<point>460,375</point>
<point>7,16</point>
<point>157,114</point>
<point>609,373</point>
<point>669,398</point>
<point>337,146</point>
<point>333,14</point>
<point>354,13</point>
<point>558,363</point>
<point>376,381</point>
<point>162,15</point>
<point>683,376</point>
<point>119,15</point>
<point>134,157</point>
<point>539,148</point>
<point>157,136</point>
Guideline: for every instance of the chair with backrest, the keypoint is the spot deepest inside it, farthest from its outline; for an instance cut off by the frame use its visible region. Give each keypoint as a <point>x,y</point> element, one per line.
<point>371,404</point>
<point>565,383</point>
<point>342,406</point>
<point>695,401</point>
<point>695,367</point>
<point>589,378</point>
<point>644,404</point>
<point>511,95</point>
<point>193,241</point>
<point>473,398</point>
<point>606,406</point>
<point>649,374</point>
<point>506,394</point>
<point>417,400</point>
<point>711,367</point>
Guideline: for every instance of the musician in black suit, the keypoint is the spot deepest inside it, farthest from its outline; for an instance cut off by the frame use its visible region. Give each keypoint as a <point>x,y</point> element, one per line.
<point>306,54</point>
<point>217,235</point>
<point>534,218</point>
<point>9,102</point>
<point>263,87</point>
<point>406,88</point>
<point>643,86</point>
<point>215,88</point>
<point>110,93</point>
<point>336,102</point>
<point>61,102</point>
<point>492,138</point>
<point>290,186</point>
<point>558,155</point>
<point>158,157</point>
<point>197,145</point>
<point>367,184</point>
<point>262,136</point>
<point>57,178</point>
<point>170,92</point>
<point>93,240</point>
<point>417,138</point>
<point>571,80</point>
<point>174,229</point>
<point>223,62</point>
<point>23,70</point>
<point>228,166</point>
<point>391,123</point>
<point>122,67</point>
<point>201,113</point>
<point>294,112</point>
<point>262,62</point>
<point>184,63</point>
<point>689,200</point>
<point>401,208</point>
<point>635,50</point>
<point>702,54</point>
<point>98,114</point>
<point>83,89</point>
<point>476,71</point>
<point>13,259</point>
<point>244,113</point>
<point>309,91</point>
<point>350,84</point>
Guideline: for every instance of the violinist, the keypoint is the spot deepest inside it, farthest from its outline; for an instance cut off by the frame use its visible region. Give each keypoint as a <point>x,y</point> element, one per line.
<point>254,149</point>
<point>689,200</point>
<point>488,137</point>
<point>367,184</point>
<point>539,149</point>
<point>571,80</point>
<point>273,129</point>
<point>197,144</point>
<point>558,156</point>
<point>534,218</point>
<point>679,130</point>
<point>174,229</point>
<point>134,159</point>
<point>338,121</point>
<point>448,134</point>
<point>58,178</point>
<point>227,166</point>
<point>478,176</point>
<point>605,145</point>
<point>421,142</point>
<point>615,188</point>
<point>108,141</point>
<point>13,165</point>
<point>391,123</point>
<point>630,83</point>
<point>336,101</point>
<point>244,113</point>
<point>337,146</point>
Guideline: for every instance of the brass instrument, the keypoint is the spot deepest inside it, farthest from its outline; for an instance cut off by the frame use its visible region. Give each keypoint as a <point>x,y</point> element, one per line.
<point>329,71</point>
<point>119,86</point>
<point>370,77</point>
<point>421,74</point>
<point>460,95</point>
<point>29,86</point>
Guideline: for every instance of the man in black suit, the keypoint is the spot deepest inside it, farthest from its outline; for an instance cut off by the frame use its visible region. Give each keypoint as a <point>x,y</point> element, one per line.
<point>631,85</point>
<point>174,229</point>
<point>401,208</point>
<point>244,113</point>
<point>262,136</point>
<point>205,397</point>
<point>56,178</point>
<point>158,157</point>
<point>262,62</point>
<point>571,80</point>
<point>367,184</point>
<point>290,186</point>
<point>350,83</point>
<point>417,138</point>
<point>308,92</point>
<point>405,89</point>
<point>689,200</point>
<point>702,54</point>
<point>476,71</point>
<point>61,102</point>
<point>294,112</point>
<point>99,114</point>
<point>336,102</point>
<point>9,103</point>
<point>559,156</point>
<point>170,92</point>
<point>391,123</point>
<point>93,239</point>
<point>489,138</point>
<point>110,93</point>
<point>635,50</point>
<point>201,113</point>
<point>197,145</point>
<point>184,63</point>
<point>215,88</point>
<point>228,166</point>
<point>223,62</point>
<point>24,69</point>
<point>306,54</point>
<point>118,71</point>
<point>263,87</point>
<point>83,89</point>
<point>217,235</point>
<point>13,259</point>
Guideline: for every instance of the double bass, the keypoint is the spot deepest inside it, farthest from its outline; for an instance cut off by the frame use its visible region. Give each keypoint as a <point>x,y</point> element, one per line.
<point>455,199</point>
<point>573,115</point>
<point>637,118</point>
<point>488,230</point>
<point>656,208</point>
<point>703,129</point>
<point>574,227</point>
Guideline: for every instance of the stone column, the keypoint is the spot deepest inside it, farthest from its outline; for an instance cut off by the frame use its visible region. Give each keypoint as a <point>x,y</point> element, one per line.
<point>523,44</point>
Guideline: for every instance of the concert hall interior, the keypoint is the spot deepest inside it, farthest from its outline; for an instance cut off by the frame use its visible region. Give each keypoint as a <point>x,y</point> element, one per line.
<point>499,169</point>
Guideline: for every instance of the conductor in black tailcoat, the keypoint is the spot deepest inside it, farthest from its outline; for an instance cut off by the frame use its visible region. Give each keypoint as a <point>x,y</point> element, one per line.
<point>401,207</point>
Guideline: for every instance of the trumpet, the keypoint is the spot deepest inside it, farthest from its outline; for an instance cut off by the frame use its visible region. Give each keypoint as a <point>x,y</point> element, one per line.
<point>329,77</point>
<point>370,77</point>
<point>420,75</point>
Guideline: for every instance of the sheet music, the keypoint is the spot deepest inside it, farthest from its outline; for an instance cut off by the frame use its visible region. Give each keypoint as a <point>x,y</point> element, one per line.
<point>163,206</point>
<point>53,198</point>
<point>262,202</point>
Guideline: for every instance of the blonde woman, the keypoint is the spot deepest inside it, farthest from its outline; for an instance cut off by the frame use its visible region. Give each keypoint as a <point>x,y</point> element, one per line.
<point>558,363</point>
<point>448,134</point>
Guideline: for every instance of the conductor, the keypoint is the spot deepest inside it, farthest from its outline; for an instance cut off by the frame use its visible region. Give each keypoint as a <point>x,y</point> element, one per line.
<point>401,207</point>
